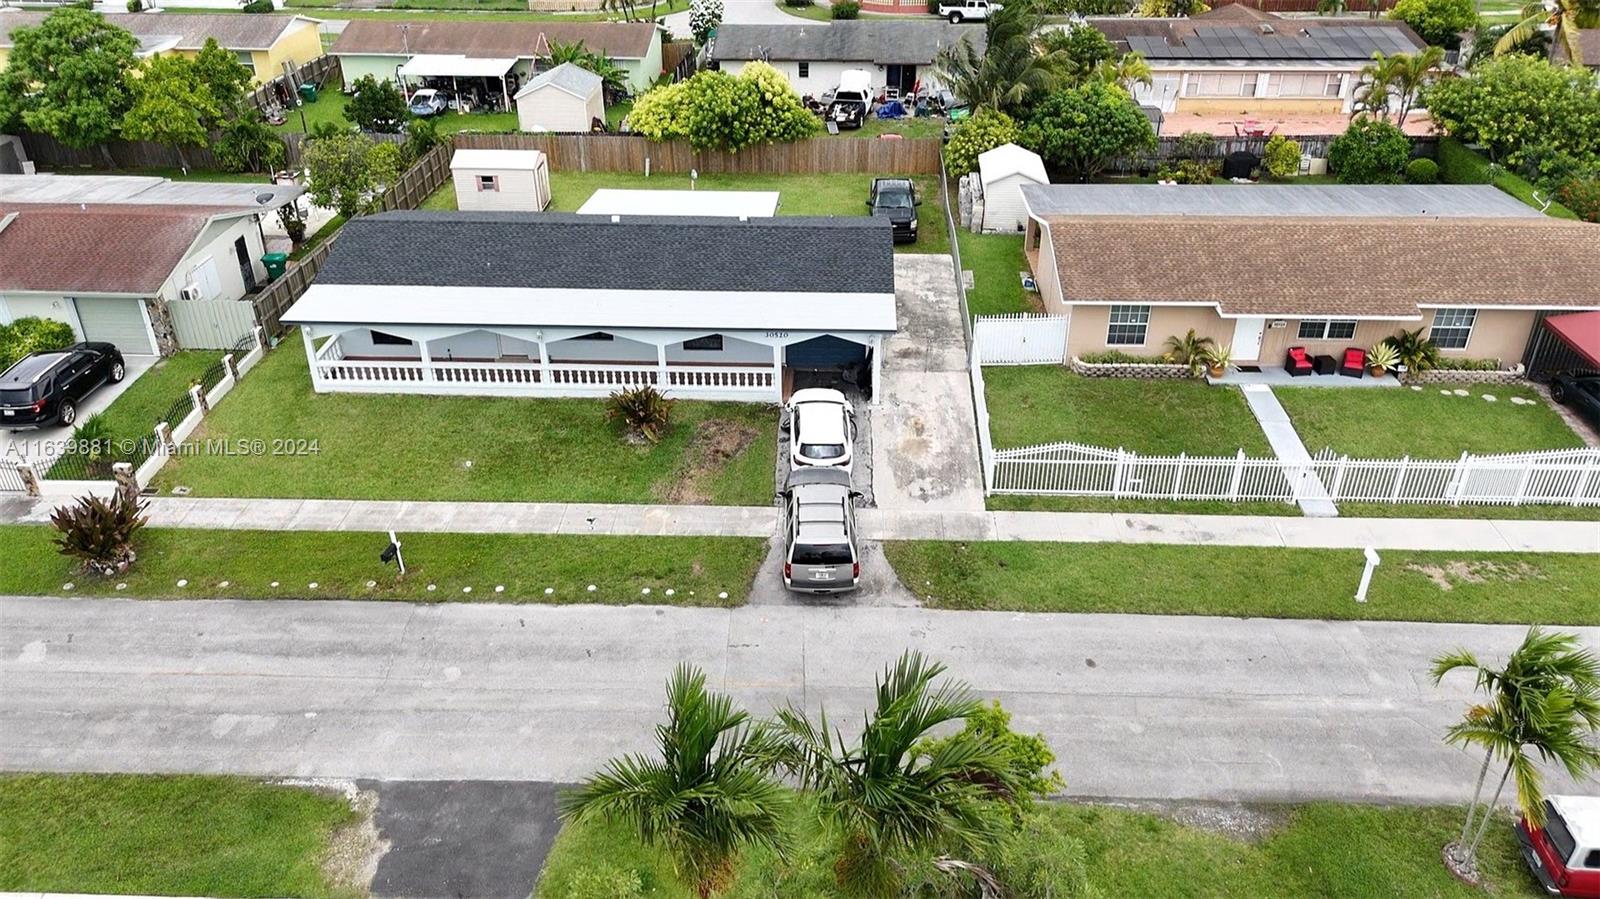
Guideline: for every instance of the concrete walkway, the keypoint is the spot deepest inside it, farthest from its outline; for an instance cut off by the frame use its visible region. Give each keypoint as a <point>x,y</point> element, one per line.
<point>1136,706</point>
<point>1466,534</point>
<point>1286,446</point>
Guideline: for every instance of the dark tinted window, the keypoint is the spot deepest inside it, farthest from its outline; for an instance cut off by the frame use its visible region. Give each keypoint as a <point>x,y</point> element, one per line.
<point>709,342</point>
<point>1556,830</point>
<point>1592,859</point>
<point>822,554</point>
<point>381,339</point>
<point>821,450</point>
<point>22,396</point>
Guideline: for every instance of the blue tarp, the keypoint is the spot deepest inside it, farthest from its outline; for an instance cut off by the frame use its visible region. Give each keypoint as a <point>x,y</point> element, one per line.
<point>892,110</point>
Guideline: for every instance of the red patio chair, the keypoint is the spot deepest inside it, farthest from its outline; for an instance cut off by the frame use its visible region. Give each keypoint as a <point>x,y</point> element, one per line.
<point>1354,363</point>
<point>1297,363</point>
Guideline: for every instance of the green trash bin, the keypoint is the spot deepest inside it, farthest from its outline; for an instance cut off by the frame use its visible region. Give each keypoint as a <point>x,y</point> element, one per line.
<point>275,264</point>
<point>308,92</point>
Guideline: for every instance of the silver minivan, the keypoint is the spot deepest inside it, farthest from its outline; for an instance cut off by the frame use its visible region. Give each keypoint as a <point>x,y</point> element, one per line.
<point>819,531</point>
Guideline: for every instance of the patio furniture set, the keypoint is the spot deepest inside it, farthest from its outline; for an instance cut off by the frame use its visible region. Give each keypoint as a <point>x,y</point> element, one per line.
<point>1352,364</point>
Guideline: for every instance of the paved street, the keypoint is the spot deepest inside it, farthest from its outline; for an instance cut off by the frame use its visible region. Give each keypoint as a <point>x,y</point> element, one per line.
<point>1135,706</point>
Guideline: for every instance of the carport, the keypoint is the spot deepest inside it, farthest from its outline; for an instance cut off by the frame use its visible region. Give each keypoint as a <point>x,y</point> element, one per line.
<point>456,67</point>
<point>1564,343</point>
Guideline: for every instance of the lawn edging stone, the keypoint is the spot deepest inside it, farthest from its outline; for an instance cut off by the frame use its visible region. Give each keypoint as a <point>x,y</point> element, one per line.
<point>1154,371</point>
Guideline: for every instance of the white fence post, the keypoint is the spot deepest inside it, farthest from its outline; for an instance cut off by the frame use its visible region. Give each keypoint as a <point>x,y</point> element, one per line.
<point>1117,474</point>
<point>1459,481</point>
<point>1338,477</point>
<point>1522,485</point>
<point>1238,477</point>
<point>1177,477</point>
<point>1400,478</point>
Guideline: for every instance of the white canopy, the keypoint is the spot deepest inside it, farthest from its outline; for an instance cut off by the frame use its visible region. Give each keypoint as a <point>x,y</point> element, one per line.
<point>724,203</point>
<point>430,65</point>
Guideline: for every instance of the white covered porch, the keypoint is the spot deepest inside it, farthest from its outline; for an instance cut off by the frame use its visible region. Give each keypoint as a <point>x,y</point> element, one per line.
<point>504,360</point>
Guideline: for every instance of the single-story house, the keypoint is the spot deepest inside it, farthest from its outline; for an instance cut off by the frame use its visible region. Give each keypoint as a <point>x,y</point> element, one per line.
<point>1003,171</point>
<point>578,305</point>
<point>1264,268</point>
<point>721,203</point>
<point>517,50</point>
<point>565,98</point>
<point>507,180</point>
<point>898,52</point>
<point>269,46</point>
<point>1240,62</point>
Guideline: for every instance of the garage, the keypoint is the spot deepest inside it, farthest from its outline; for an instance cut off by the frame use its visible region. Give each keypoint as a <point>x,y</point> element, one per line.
<point>116,321</point>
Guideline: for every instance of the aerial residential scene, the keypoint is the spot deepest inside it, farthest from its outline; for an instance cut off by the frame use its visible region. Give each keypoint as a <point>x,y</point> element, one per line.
<point>941,449</point>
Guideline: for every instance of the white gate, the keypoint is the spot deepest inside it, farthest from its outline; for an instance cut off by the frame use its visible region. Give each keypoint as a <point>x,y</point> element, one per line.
<point>1020,339</point>
<point>211,324</point>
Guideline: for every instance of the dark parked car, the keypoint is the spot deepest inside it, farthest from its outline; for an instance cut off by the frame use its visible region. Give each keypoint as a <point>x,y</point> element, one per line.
<point>46,388</point>
<point>896,199</point>
<point>1581,392</point>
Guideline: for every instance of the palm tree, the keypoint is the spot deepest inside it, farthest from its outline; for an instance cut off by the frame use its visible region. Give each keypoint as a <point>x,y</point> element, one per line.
<point>1565,18</point>
<point>1126,71</point>
<point>1014,69</point>
<point>1415,351</point>
<point>1409,73</point>
<point>707,797</point>
<point>1377,86</point>
<point>1546,699</point>
<point>891,793</point>
<point>1191,349</point>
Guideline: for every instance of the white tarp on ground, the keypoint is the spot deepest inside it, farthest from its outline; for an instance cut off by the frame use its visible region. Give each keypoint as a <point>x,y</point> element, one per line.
<point>437,65</point>
<point>727,203</point>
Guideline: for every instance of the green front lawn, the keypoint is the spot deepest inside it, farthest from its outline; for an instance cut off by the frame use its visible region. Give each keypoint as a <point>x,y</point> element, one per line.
<point>470,448</point>
<point>1319,849</point>
<point>997,265</point>
<point>133,415</point>
<point>1047,403</point>
<point>167,835</point>
<point>1425,424</point>
<point>908,128</point>
<point>244,565</point>
<point>331,103</point>
<point>1248,581</point>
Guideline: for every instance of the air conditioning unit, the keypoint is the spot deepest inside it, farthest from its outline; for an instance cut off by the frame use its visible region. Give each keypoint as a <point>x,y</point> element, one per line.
<point>190,292</point>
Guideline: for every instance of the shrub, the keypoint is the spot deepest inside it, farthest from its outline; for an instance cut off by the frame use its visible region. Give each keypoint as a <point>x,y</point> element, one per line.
<point>976,136</point>
<point>99,533</point>
<point>1028,755</point>
<point>1118,357</point>
<point>260,6</point>
<point>846,9</point>
<point>1416,352</point>
<point>1083,129</point>
<point>605,882</point>
<point>715,110</point>
<point>1582,196</point>
<point>1422,171</point>
<point>642,410</point>
<point>1439,22</point>
<point>1369,152</point>
<point>1190,171</point>
<point>1518,107</point>
<point>802,4</point>
<point>422,135</point>
<point>1452,363</point>
<point>1281,158</point>
<point>135,5</point>
<point>30,335</point>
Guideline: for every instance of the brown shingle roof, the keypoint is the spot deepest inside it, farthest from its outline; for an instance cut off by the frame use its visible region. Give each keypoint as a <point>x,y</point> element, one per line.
<point>1319,266</point>
<point>1588,45</point>
<point>487,40</point>
<point>98,249</point>
<point>241,32</point>
<point>1227,20</point>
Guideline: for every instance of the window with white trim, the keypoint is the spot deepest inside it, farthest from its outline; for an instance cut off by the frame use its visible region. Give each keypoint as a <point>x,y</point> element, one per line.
<point>1222,84</point>
<point>1452,327</point>
<point>1303,84</point>
<point>1127,325</point>
<point>708,342</point>
<point>489,182</point>
<point>1327,329</point>
<point>805,69</point>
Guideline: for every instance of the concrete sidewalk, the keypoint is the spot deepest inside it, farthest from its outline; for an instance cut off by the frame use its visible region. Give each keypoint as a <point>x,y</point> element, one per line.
<point>1286,445</point>
<point>1479,535</point>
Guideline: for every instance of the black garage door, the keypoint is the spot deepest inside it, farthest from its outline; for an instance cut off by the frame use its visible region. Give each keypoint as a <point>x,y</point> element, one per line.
<point>825,352</point>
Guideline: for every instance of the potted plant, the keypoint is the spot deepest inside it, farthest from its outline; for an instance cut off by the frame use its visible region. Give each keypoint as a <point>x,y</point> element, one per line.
<point>1381,358</point>
<point>1217,359</point>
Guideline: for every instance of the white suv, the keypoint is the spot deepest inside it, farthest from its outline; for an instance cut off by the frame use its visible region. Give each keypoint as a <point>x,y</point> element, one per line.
<point>821,425</point>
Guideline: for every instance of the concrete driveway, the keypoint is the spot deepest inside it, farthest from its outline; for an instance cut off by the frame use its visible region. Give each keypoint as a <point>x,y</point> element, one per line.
<point>924,442</point>
<point>46,442</point>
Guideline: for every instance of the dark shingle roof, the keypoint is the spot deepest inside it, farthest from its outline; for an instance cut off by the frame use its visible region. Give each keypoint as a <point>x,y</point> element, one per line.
<point>233,32</point>
<point>1259,37</point>
<point>492,39</point>
<point>106,248</point>
<point>882,41</point>
<point>566,250</point>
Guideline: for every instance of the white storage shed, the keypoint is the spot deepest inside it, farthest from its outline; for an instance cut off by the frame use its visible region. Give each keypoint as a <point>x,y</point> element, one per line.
<point>1003,172</point>
<point>503,180</point>
<point>566,98</point>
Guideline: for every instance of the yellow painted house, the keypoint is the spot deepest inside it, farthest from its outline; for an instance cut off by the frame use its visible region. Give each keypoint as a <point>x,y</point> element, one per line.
<point>266,44</point>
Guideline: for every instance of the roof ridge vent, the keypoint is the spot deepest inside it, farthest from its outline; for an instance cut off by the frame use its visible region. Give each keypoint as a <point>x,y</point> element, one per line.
<point>1266,28</point>
<point>616,220</point>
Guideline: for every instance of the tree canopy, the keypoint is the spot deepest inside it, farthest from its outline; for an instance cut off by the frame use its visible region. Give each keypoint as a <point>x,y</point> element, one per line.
<point>377,106</point>
<point>170,105</point>
<point>715,110</point>
<point>1085,128</point>
<point>67,78</point>
<point>1439,22</point>
<point>1516,104</point>
<point>349,171</point>
<point>1370,151</point>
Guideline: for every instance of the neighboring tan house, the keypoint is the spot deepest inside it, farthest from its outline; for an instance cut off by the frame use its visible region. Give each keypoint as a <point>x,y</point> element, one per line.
<point>565,98</point>
<point>561,304</point>
<point>269,46</point>
<point>898,52</point>
<point>1264,268</point>
<point>148,264</point>
<point>508,53</point>
<point>1236,60</point>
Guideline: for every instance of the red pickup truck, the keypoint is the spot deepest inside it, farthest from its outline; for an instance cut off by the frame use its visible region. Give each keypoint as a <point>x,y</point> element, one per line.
<point>1565,853</point>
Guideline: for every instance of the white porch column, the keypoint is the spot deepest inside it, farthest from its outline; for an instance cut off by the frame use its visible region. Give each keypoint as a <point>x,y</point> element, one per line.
<point>311,359</point>
<point>661,367</point>
<point>877,368</point>
<point>427,361</point>
<point>777,372</point>
<point>544,361</point>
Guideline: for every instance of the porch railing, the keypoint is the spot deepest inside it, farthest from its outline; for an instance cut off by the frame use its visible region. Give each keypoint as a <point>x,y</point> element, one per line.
<point>334,371</point>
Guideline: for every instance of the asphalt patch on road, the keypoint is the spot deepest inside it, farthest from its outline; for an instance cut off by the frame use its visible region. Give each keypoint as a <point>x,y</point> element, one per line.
<point>484,839</point>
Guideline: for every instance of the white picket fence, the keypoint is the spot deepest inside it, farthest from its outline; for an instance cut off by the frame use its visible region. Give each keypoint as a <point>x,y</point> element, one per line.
<point>1020,339</point>
<point>1559,477</point>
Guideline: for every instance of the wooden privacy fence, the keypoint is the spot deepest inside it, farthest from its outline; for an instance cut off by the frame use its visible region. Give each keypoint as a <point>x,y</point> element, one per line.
<point>1020,339</point>
<point>1560,477</point>
<point>322,71</point>
<point>422,179</point>
<point>631,153</point>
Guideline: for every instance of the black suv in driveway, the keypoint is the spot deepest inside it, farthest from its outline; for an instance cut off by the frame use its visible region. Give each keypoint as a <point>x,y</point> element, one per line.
<point>896,199</point>
<point>1581,392</point>
<point>45,388</point>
